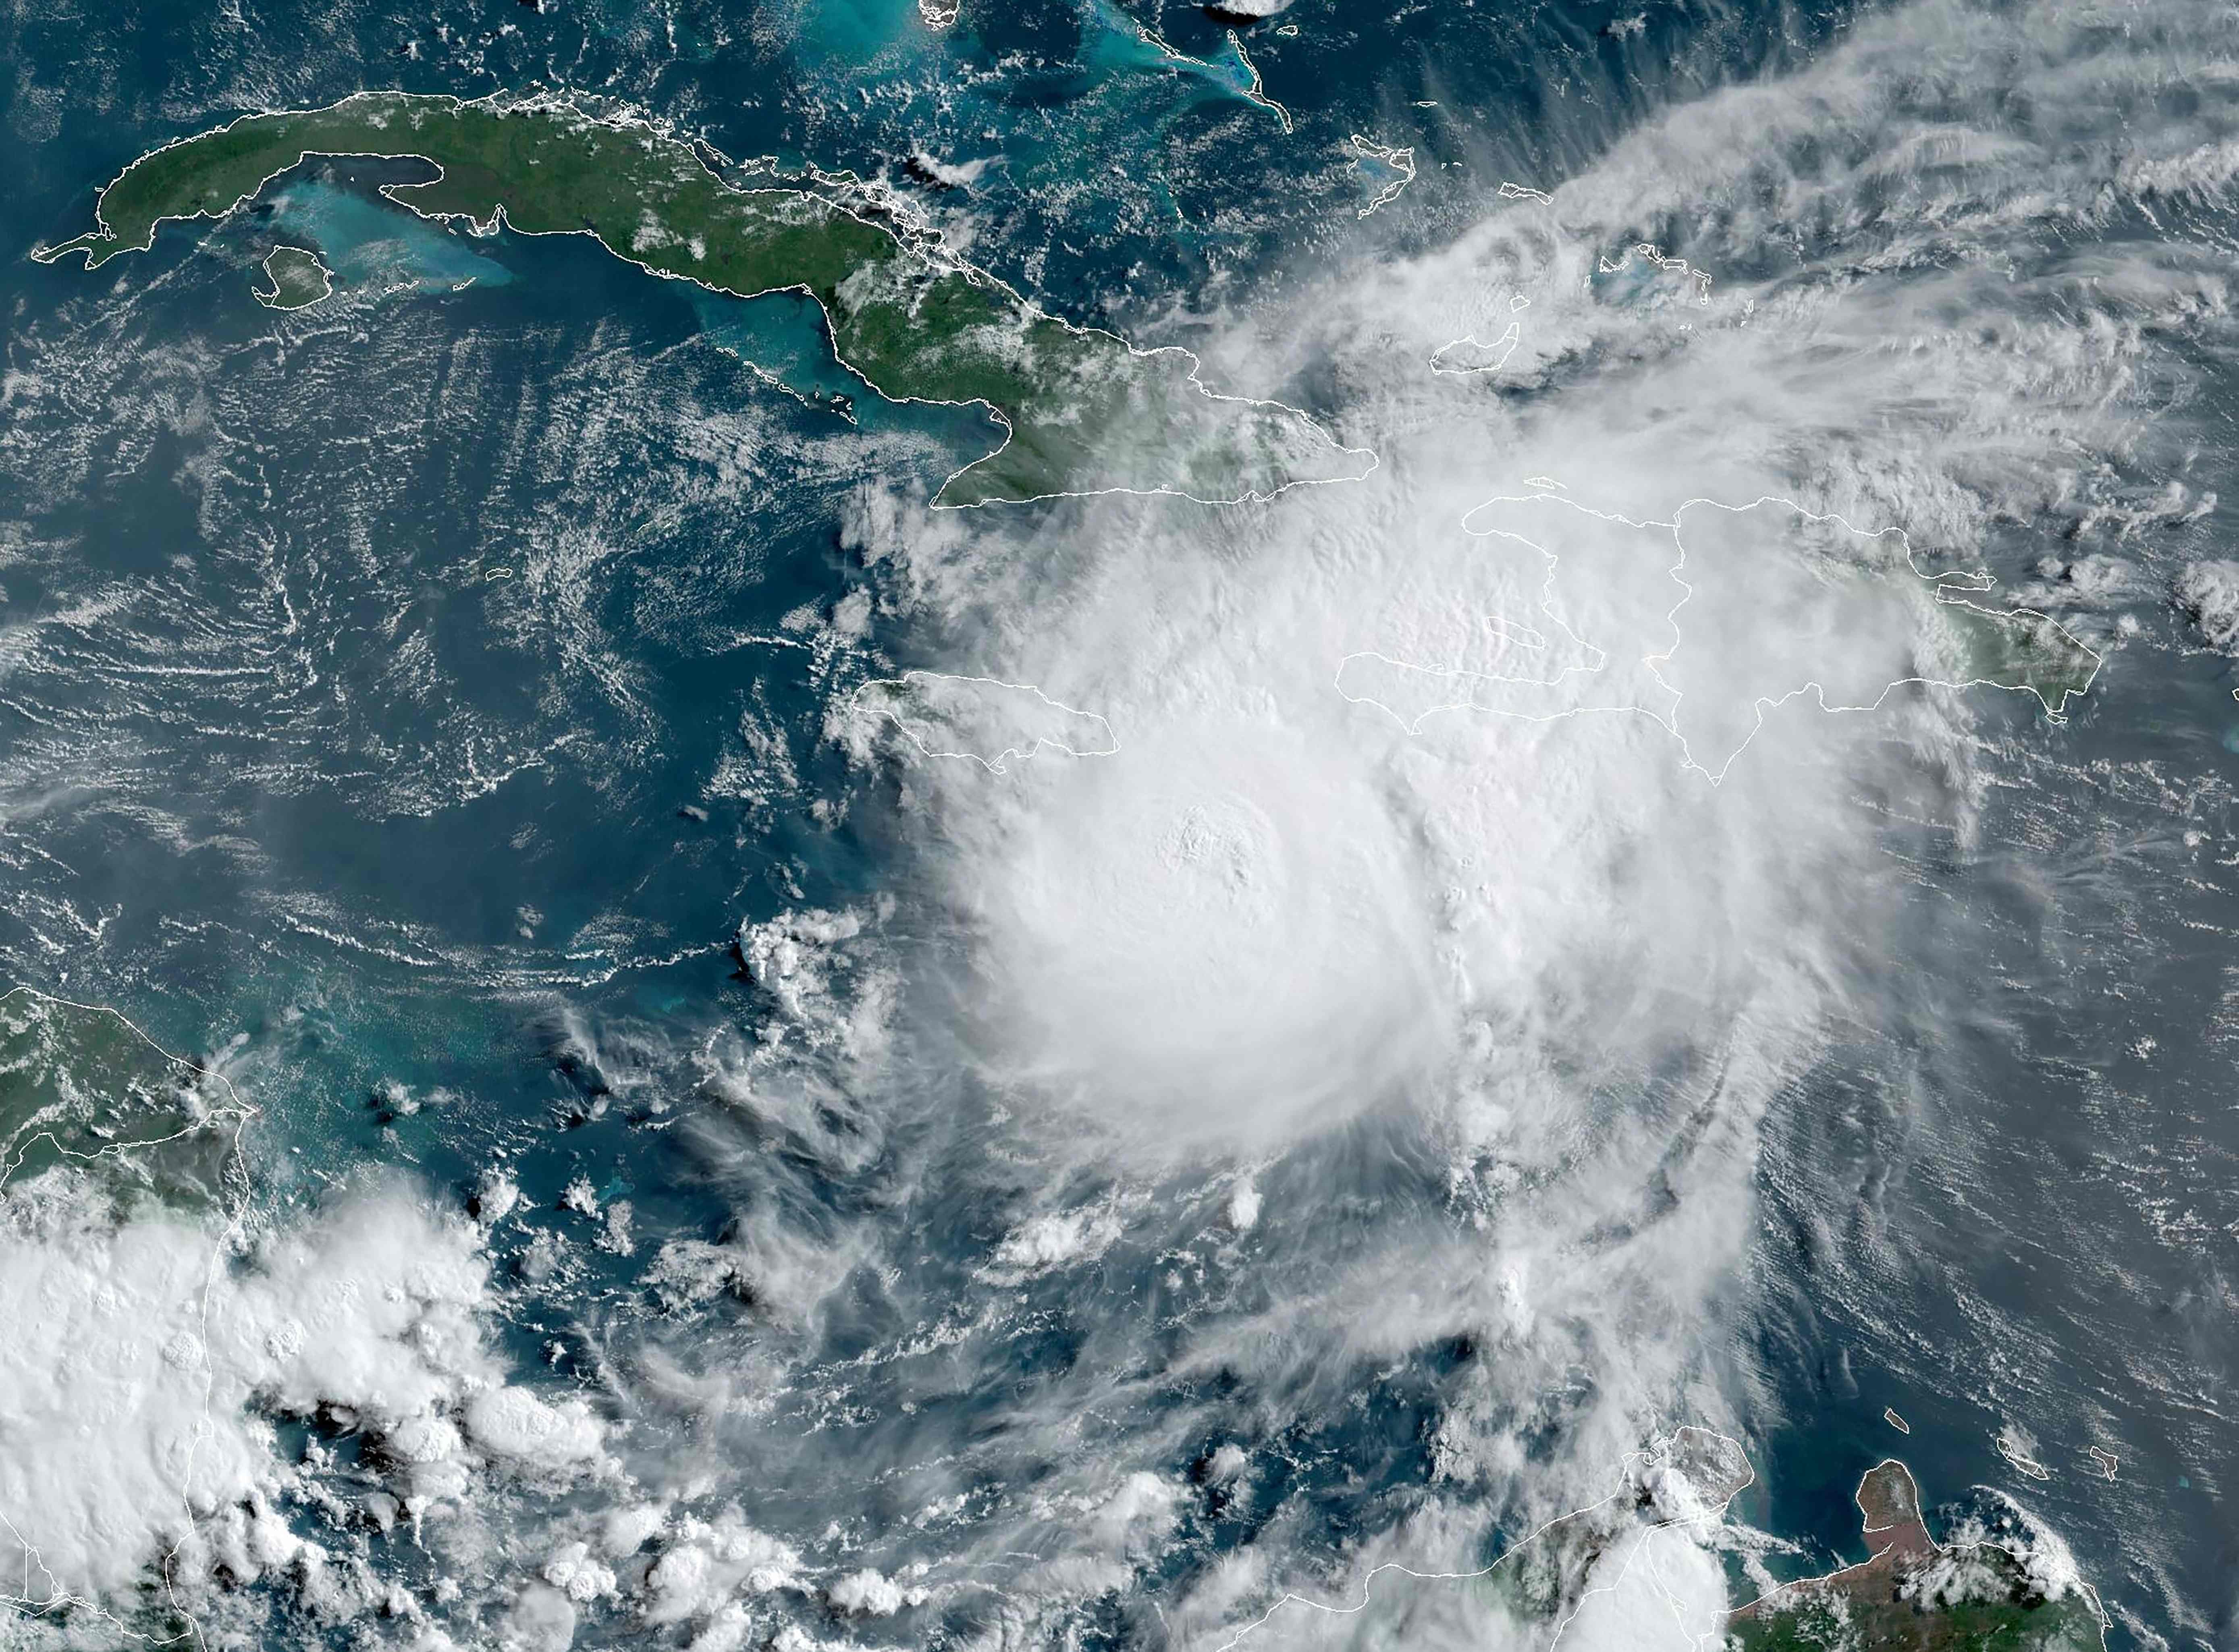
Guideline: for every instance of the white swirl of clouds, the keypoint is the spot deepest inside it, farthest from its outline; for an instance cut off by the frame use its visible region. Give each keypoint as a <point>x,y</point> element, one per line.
<point>1270,922</point>
<point>1585,969</point>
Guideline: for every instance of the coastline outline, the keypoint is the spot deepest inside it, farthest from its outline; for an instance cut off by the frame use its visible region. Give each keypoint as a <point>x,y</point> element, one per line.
<point>551,101</point>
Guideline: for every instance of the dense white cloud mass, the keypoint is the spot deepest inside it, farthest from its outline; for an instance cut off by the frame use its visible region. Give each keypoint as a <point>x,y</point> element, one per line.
<point>981,720</point>
<point>2210,591</point>
<point>1638,1568</point>
<point>147,1361</point>
<point>1356,934</point>
<point>1658,1590</point>
<point>1583,968</point>
<point>1207,929</point>
<point>1522,916</point>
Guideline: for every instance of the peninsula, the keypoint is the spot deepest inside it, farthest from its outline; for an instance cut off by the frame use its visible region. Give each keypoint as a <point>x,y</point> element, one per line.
<point>1913,1594</point>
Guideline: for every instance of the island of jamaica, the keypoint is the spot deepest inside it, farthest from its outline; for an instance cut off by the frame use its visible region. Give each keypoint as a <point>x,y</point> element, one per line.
<point>1082,411</point>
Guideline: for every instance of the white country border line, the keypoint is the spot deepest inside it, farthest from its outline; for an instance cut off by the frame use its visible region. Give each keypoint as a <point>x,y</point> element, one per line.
<point>1401,161</point>
<point>1414,724</point>
<point>1598,656</point>
<point>326,278</point>
<point>628,119</point>
<point>1698,1642</point>
<point>1655,255</point>
<point>994,764</point>
<point>2091,1594</point>
<point>1513,336</point>
<point>1976,580</point>
<point>1505,344</point>
<point>1938,586</point>
<point>1523,635</point>
<point>238,1112</point>
<point>1626,1470</point>
<point>1254,90</point>
<point>2019,1460</point>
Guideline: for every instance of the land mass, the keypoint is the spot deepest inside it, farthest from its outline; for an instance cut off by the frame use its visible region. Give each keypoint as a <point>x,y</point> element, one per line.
<point>1083,410</point>
<point>82,1090</point>
<point>298,279</point>
<point>983,720</point>
<point>1916,1595</point>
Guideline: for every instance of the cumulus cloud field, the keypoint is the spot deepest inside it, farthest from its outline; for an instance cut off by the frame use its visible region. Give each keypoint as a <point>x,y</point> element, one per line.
<point>1381,917</point>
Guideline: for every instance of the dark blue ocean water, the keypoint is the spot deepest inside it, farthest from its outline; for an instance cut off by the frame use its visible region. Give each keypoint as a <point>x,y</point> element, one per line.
<point>407,688</point>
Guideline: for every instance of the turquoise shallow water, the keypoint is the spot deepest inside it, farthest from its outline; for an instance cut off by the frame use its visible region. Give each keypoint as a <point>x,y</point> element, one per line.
<point>372,248</point>
<point>427,690</point>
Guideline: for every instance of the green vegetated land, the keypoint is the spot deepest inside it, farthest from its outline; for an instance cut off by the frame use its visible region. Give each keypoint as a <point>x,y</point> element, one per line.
<point>299,280</point>
<point>1915,1594</point>
<point>80,1089</point>
<point>1084,411</point>
<point>2019,648</point>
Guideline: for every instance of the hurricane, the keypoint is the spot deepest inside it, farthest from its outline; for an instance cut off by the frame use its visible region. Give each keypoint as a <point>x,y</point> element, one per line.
<point>832,827</point>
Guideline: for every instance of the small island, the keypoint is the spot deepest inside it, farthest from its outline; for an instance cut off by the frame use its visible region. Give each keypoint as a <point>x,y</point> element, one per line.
<point>1915,1594</point>
<point>298,279</point>
<point>1083,411</point>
